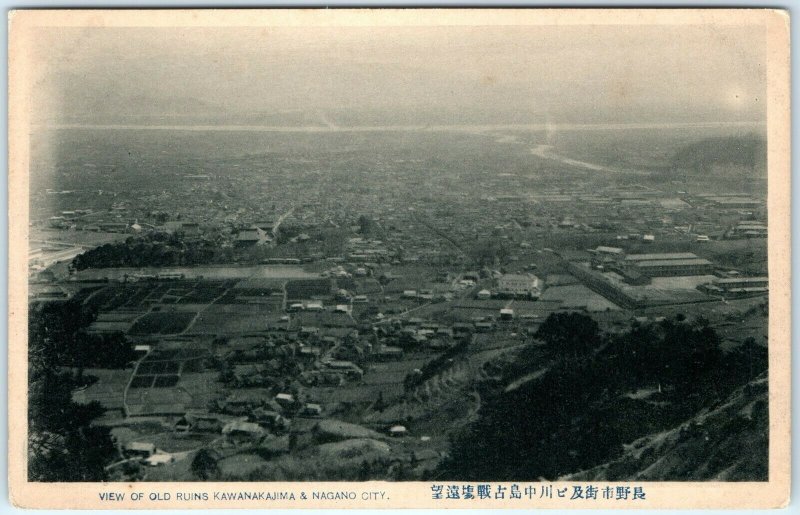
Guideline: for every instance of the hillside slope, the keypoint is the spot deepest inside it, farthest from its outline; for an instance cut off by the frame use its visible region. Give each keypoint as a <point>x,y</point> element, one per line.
<point>726,443</point>
<point>746,153</point>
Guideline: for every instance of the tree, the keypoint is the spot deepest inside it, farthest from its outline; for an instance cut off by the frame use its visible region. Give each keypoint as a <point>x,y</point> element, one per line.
<point>71,455</point>
<point>749,359</point>
<point>204,465</point>
<point>380,404</point>
<point>365,224</point>
<point>102,351</point>
<point>566,415</point>
<point>688,350</point>
<point>399,471</point>
<point>490,251</point>
<point>63,446</point>
<point>673,353</point>
<point>226,373</point>
<point>364,471</point>
<point>571,334</point>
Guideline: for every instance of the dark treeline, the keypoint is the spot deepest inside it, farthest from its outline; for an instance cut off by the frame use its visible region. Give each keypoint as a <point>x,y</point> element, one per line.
<point>160,249</point>
<point>152,250</point>
<point>63,445</point>
<point>575,415</point>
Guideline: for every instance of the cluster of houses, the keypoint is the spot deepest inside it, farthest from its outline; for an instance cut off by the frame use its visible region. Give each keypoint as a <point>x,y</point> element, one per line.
<point>747,229</point>
<point>365,250</point>
<point>736,287</point>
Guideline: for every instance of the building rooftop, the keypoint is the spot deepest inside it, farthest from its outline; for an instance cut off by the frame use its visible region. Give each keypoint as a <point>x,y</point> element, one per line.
<point>660,257</point>
<point>609,250</point>
<point>673,262</point>
<point>518,277</point>
<point>742,280</point>
<point>249,235</point>
<point>140,446</point>
<point>734,200</point>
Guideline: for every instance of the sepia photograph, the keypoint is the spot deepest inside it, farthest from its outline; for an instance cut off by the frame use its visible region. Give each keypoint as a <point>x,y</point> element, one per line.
<point>476,252</point>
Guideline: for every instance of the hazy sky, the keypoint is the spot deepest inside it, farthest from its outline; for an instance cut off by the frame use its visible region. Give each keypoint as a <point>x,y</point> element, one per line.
<point>487,73</point>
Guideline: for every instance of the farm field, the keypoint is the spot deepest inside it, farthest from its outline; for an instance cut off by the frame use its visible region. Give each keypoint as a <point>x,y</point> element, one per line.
<point>170,374</point>
<point>222,319</point>
<point>308,288</point>
<point>107,390</point>
<point>162,323</point>
<point>394,371</point>
<point>357,393</point>
<point>578,296</point>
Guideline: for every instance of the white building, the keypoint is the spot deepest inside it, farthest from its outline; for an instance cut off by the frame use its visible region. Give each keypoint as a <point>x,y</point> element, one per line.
<point>519,285</point>
<point>506,314</point>
<point>314,305</point>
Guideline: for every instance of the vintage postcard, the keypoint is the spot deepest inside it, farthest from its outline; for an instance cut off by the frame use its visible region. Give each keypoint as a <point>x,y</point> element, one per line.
<point>399,258</point>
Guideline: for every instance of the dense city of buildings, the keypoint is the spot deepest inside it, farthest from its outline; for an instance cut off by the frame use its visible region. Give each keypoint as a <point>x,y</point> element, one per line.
<point>280,313</point>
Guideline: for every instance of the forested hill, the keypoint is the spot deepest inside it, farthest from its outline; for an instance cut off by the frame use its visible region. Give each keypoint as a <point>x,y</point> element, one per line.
<point>747,151</point>
<point>578,398</point>
<point>728,442</point>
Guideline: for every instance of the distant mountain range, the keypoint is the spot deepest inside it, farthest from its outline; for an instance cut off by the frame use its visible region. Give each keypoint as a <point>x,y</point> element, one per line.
<point>746,152</point>
<point>109,106</point>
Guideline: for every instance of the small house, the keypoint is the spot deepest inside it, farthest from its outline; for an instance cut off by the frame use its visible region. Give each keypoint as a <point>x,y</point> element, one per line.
<point>241,429</point>
<point>398,430</point>
<point>314,305</point>
<point>311,410</point>
<point>285,400</point>
<point>139,450</point>
<point>159,459</point>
